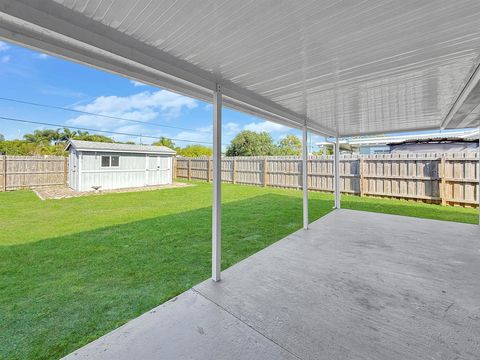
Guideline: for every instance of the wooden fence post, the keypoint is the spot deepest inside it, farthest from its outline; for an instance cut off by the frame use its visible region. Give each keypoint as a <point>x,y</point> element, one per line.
<point>65,171</point>
<point>265,173</point>
<point>189,170</point>
<point>309,161</point>
<point>443,184</point>
<point>208,169</point>
<point>4,172</point>
<point>360,173</point>
<point>234,170</point>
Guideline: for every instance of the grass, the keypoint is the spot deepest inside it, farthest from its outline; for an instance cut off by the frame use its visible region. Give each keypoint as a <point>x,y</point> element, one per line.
<point>73,269</point>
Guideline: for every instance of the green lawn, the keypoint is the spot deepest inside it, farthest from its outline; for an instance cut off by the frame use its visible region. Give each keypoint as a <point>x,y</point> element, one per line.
<point>73,269</point>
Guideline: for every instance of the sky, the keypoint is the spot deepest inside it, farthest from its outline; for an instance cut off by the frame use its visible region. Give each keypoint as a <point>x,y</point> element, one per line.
<point>35,77</point>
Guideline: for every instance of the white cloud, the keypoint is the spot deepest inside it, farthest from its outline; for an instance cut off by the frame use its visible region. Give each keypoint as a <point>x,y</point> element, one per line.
<point>142,106</point>
<point>137,83</point>
<point>4,46</point>
<point>231,128</point>
<point>136,129</point>
<point>207,129</point>
<point>201,134</point>
<point>5,59</point>
<point>267,126</point>
<point>145,106</point>
<point>43,56</point>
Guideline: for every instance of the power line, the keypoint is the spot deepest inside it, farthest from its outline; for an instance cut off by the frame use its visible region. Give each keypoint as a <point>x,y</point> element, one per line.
<point>96,130</point>
<point>96,114</point>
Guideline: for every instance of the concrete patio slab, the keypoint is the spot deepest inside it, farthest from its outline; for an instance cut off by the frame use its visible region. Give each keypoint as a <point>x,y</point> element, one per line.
<point>356,285</point>
<point>187,327</point>
<point>361,285</point>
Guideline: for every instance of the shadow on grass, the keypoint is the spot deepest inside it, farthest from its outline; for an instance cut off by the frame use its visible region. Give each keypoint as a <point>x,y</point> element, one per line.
<point>58,294</point>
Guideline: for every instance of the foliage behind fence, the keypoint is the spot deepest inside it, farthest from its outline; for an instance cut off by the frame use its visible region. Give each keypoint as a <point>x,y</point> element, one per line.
<point>449,179</point>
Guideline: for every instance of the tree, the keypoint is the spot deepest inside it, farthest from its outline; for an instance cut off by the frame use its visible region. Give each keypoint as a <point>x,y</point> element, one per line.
<point>80,133</point>
<point>56,136</point>
<point>85,136</point>
<point>195,151</point>
<point>251,143</point>
<point>44,136</point>
<point>163,141</point>
<point>326,151</point>
<point>47,142</point>
<point>67,134</point>
<point>25,148</point>
<point>290,145</point>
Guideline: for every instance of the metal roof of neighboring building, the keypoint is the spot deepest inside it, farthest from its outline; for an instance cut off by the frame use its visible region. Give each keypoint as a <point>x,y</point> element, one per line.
<point>343,68</point>
<point>117,147</point>
<point>469,135</point>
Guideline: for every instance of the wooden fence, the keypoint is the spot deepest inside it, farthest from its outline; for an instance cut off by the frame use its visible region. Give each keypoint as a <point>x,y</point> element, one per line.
<point>19,172</point>
<point>447,179</point>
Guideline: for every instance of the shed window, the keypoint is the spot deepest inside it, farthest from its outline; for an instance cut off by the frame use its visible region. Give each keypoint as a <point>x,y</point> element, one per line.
<point>114,161</point>
<point>110,161</point>
<point>105,161</point>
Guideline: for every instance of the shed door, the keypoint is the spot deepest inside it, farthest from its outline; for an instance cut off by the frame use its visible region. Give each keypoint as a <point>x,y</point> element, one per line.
<point>165,163</point>
<point>159,171</point>
<point>153,170</point>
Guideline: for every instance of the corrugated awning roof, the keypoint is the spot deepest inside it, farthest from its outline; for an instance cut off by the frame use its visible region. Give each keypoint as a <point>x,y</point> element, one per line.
<point>346,68</point>
<point>117,147</point>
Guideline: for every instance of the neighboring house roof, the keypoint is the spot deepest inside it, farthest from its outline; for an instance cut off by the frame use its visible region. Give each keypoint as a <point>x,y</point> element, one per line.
<point>81,145</point>
<point>463,135</point>
<point>445,140</point>
<point>447,145</point>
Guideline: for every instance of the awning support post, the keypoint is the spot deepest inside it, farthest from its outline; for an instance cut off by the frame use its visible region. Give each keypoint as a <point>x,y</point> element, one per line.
<point>305,177</point>
<point>217,184</point>
<point>478,177</point>
<point>337,174</point>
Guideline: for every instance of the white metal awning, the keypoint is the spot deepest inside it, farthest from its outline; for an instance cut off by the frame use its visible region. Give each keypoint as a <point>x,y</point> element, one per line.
<point>344,67</point>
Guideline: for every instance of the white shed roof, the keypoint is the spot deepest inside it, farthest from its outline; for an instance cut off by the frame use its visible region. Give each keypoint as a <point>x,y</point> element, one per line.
<point>116,147</point>
<point>344,67</point>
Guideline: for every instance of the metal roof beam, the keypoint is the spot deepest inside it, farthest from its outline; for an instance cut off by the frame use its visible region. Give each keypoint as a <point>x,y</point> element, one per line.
<point>462,98</point>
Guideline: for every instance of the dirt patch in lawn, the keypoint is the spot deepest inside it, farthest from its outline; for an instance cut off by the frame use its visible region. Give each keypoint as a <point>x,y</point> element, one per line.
<point>62,192</point>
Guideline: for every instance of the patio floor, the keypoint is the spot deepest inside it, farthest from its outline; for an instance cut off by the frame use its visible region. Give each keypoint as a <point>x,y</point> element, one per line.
<point>356,285</point>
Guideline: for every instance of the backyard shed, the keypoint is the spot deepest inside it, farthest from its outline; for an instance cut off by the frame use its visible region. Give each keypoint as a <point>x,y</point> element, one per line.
<point>105,166</point>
